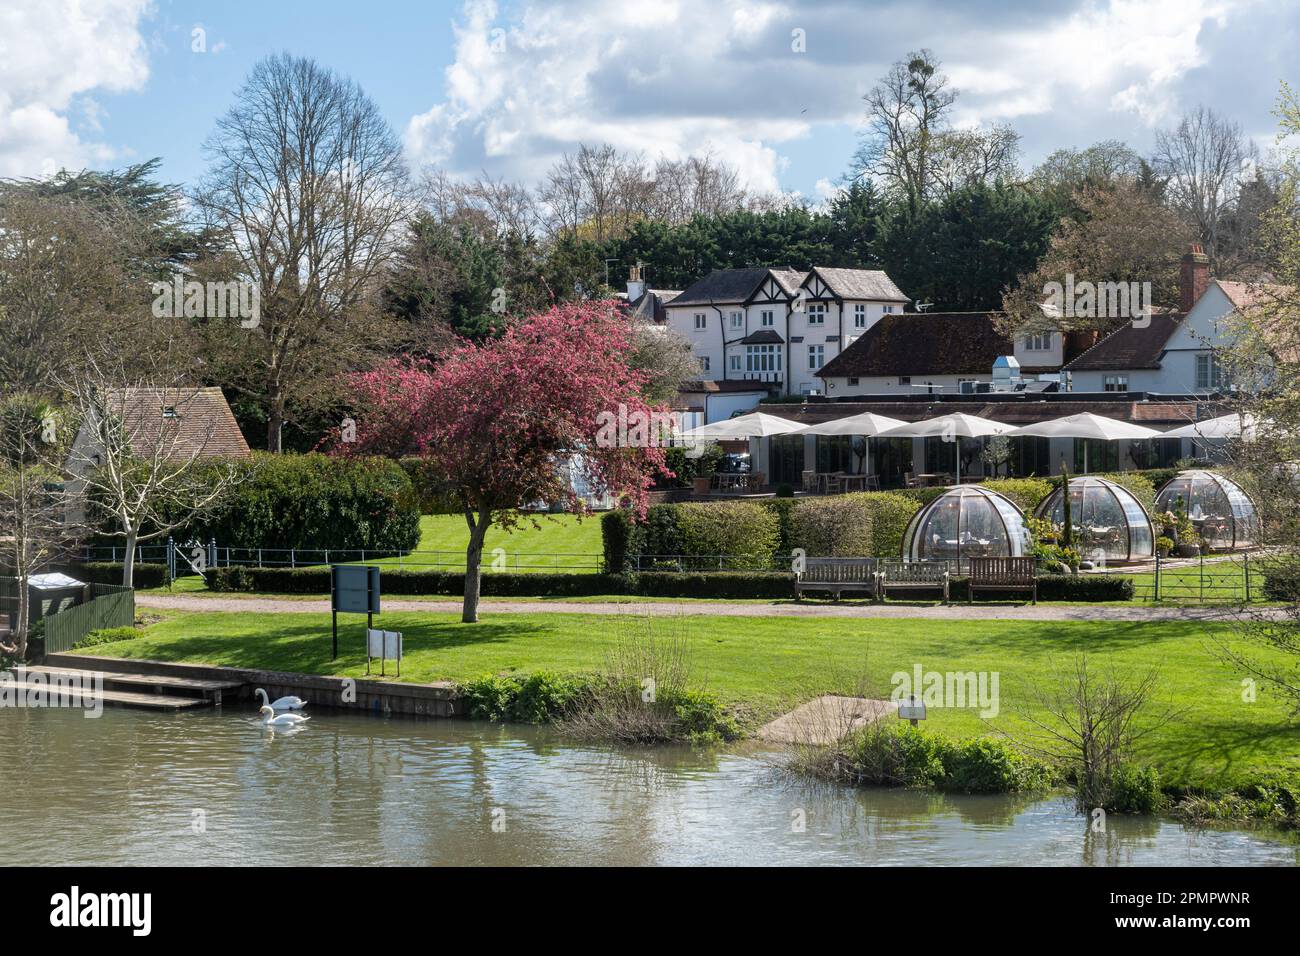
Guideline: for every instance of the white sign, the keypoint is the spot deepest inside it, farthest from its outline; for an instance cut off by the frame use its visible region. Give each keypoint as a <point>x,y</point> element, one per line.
<point>911,708</point>
<point>386,645</point>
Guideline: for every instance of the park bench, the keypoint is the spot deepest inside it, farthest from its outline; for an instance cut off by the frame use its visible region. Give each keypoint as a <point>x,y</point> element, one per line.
<point>914,576</point>
<point>1002,574</point>
<point>836,575</point>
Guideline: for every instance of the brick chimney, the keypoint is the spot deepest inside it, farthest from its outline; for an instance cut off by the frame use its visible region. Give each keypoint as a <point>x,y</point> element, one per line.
<point>635,284</point>
<point>1194,277</point>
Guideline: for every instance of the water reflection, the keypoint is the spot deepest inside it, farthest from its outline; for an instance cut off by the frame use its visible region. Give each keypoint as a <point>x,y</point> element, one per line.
<point>351,789</point>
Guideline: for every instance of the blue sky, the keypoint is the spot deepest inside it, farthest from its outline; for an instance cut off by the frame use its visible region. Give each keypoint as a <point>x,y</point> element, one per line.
<point>508,87</point>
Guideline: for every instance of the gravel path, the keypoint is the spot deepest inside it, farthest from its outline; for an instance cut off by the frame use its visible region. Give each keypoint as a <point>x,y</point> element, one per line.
<point>952,612</point>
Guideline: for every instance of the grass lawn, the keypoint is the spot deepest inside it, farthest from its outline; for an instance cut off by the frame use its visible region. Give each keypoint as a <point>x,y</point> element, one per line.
<point>769,664</point>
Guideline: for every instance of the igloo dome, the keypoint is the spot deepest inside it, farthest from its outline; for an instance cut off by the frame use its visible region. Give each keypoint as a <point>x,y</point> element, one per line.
<point>966,521</point>
<point>1221,511</point>
<point>1106,518</point>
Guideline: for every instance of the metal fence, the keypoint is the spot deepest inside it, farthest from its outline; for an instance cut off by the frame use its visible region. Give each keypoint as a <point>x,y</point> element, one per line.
<point>1226,578</point>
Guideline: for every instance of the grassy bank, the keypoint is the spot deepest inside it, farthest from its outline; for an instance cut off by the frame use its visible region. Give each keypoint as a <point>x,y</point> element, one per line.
<point>769,664</point>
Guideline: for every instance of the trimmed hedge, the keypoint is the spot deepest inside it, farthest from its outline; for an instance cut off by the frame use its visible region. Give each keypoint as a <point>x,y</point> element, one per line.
<point>316,502</point>
<point>1061,587</point>
<point>109,572</point>
<point>1282,580</point>
<point>770,585</point>
<point>748,532</point>
<point>1025,492</point>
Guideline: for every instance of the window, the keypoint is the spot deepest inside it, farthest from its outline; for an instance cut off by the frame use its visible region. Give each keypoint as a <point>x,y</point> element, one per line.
<point>816,356</point>
<point>1038,342</point>
<point>737,320</point>
<point>762,358</point>
<point>704,363</point>
<point>700,320</point>
<point>859,316</point>
<point>1115,383</point>
<point>169,411</point>
<point>817,313</point>
<point>734,361</point>
<point>904,380</point>
<point>887,309</point>
<point>766,318</point>
<point>1210,375</point>
<point>853,380</point>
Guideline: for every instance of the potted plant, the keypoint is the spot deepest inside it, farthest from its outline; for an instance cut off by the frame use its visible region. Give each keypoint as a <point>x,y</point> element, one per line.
<point>1164,546</point>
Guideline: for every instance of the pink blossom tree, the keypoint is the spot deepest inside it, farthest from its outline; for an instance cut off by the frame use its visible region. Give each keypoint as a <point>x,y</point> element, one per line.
<point>497,422</point>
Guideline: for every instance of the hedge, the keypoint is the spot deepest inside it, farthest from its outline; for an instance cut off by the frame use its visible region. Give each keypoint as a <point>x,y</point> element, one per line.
<point>109,572</point>
<point>316,502</point>
<point>750,533</point>
<point>1061,587</point>
<point>1282,580</point>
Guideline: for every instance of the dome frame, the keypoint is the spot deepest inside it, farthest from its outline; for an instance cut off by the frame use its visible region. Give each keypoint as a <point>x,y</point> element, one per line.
<point>1242,514</point>
<point>1125,506</point>
<point>1014,540</point>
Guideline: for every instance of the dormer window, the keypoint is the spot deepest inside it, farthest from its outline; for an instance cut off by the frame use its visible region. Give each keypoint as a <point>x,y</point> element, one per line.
<point>1038,342</point>
<point>169,411</point>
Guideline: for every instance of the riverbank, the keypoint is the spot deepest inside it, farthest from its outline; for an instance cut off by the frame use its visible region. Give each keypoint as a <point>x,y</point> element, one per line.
<point>765,666</point>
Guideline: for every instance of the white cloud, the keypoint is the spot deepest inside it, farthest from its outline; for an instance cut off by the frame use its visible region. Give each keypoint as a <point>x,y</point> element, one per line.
<point>54,54</point>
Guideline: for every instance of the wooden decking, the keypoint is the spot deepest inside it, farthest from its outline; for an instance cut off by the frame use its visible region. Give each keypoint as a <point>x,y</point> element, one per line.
<point>126,688</point>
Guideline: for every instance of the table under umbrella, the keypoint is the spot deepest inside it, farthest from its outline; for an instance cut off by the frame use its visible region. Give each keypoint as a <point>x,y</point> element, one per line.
<point>752,425</point>
<point>1085,425</point>
<point>954,426</point>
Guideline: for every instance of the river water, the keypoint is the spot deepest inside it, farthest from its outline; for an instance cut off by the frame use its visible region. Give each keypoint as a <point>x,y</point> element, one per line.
<point>213,787</point>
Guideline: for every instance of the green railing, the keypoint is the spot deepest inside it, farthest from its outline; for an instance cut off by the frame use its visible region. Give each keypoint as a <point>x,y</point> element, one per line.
<point>110,605</point>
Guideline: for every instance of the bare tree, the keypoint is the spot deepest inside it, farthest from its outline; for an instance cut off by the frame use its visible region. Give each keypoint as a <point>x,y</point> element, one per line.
<point>309,189</point>
<point>1067,171</point>
<point>975,157</point>
<point>144,457</point>
<point>33,531</point>
<point>1205,158</point>
<point>906,110</point>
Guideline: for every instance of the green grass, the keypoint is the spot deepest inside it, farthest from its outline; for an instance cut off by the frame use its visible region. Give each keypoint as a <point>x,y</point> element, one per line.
<point>770,664</point>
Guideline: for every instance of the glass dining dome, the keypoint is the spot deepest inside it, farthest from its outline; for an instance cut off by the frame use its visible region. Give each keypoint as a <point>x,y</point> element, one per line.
<point>1222,512</point>
<point>966,521</point>
<point>1107,520</point>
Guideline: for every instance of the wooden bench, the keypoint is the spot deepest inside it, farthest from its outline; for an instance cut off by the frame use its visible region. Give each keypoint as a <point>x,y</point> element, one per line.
<point>1002,574</point>
<point>914,576</point>
<point>836,575</point>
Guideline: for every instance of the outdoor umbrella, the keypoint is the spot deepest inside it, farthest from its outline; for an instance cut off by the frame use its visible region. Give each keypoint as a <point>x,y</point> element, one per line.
<point>753,425</point>
<point>1226,426</point>
<point>1085,425</point>
<point>868,423</point>
<point>951,427</point>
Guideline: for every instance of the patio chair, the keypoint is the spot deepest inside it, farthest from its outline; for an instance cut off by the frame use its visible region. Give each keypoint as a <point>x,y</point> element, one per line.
<point>909,479</point>
<point>810,481</point>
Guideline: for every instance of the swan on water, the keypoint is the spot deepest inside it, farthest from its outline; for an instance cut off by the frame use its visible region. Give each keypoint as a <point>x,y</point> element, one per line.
<point>282,703</point>
<point>271,719</point>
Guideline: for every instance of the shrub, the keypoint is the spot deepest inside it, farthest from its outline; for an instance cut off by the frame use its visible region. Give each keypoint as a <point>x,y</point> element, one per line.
<point>534,699</point>
<point>703,719</point>
<point>1081,588</point>
<point>770,585</point>
<point>989,765</point>
<point>1282,580</point>
<point>748,532</point>
<point>233,578</point>
<point>890,513</point>
<point>623,540</point>
<point>107,635</point>
<point>315,502</point>
<point>110,572</point>
<point>784,509</point>
<point>1025,492</point>
<point>833,527</point>
<point>1138,483</point>
<point>1134,790</point>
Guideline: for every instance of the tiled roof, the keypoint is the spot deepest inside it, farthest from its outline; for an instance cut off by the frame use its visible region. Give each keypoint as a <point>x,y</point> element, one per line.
<point>1130,346</point>
<point>923,343</point>
<point>762,337</point>
<point>649,305</point>
<point>723,285</point>
<point>722,385</point>
<point>205,426</point>
<point>861,284</point>
<point>1246,295</point>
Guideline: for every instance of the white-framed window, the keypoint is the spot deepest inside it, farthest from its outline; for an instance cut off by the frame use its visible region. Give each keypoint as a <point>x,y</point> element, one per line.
<point>904,380</point>
<point>817,313</point>
<point>1114,383</point>
<point>860,316</point>
<point>887,309</point>
<point>734,362</point>
<point>762,358</point>
<point>1210,375</point>
<point>700,320</point>
<point>737,319</point>
<point>1038,342</point>
<point>704,363</point>
<point>816,356</point>
<point>767,318</point>
<point>853,380</point>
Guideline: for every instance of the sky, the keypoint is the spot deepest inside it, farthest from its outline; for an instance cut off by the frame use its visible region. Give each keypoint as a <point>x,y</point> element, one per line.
<point>773,88</point>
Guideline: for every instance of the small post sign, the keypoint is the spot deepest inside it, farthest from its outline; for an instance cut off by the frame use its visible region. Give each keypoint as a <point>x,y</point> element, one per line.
<point>911,709</point>
<point>385,645</point>
<point>354,589</point>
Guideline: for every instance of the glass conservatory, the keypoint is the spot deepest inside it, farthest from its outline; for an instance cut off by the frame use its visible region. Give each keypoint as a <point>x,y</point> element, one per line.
<point>1222,512</point>
<point>1108,521</point>
<point>966,521</point>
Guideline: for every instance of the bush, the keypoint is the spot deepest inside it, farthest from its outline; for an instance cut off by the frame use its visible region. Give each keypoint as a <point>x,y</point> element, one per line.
<point>889,513</point>
<point>315,502</point>
<point>110,572</point>
<point>770,585</point>
<point>533,699</point>
<point>1134,790</point>
<point>107,635</point>
<point>1089,588</point>
<point>989,765</point>
<point>833,527</point>
<point>784,509</point>
<point>1138,483</point>
<point>236,577</point>
<point>623,540</point>
<point>1282,580</point>
<point>1025,492</point>
<point>748,532</point>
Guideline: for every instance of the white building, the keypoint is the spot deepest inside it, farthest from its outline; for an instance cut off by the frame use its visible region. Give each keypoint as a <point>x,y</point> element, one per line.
<point>779,326</point>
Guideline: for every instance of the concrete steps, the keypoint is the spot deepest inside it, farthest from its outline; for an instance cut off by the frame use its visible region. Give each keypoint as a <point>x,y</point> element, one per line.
<point>72,696</point>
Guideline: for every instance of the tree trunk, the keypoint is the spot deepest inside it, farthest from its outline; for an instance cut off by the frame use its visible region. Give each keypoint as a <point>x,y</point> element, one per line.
<point>274,419</point>
<point>473,560</point>
<point>21,623</point>
<point>128,561</point>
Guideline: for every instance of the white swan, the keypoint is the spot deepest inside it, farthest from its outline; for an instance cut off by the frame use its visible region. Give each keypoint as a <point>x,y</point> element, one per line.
<point>282,703</point>
<point>271,719</point>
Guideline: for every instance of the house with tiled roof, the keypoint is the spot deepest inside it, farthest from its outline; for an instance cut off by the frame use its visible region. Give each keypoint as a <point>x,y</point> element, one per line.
<point>1174,353</point>
<point>779,326</point>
